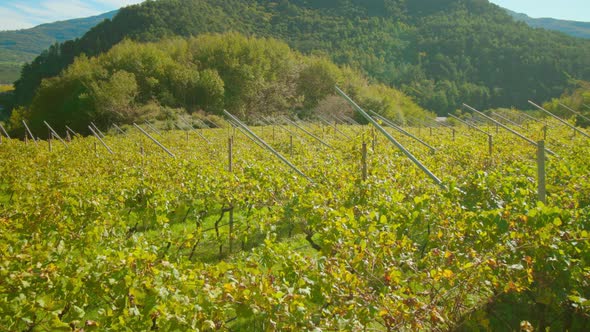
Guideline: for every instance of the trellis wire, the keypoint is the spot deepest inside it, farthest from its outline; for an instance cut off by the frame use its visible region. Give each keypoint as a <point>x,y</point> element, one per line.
<point>268,147</point>
<point>560,119</point>
<point>55,134</point>
<point>100,139</point>
<point>155,141</point>
<point>391,139</point>
<point>514,132</point>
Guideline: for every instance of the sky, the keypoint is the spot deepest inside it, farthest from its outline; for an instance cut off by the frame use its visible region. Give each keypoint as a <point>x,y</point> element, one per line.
<point>573,10</point>
<point>22,14</point>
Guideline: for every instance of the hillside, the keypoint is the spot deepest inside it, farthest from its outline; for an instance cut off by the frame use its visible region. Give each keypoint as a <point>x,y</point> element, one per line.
<point>20,46</point>
<point>251,77</point>
<point>441,52</point>
<point>572,28</point>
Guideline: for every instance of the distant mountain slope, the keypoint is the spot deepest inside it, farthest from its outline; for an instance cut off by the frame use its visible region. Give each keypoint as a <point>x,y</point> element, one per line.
<point>20,46</point>
<point>572,28</point>
<point>442,52</point>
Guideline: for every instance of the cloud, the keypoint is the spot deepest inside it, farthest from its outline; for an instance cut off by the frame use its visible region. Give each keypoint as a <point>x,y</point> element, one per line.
<point>54,10</point>
<point>29,13</point>
<point>118,3</point>
<point>13,20</point>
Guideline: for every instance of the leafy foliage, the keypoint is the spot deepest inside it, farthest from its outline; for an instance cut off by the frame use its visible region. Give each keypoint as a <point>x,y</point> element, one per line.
<point>441,52</point>
<point>98,241</point>
<point>577,98</point>
<point>248,76</point>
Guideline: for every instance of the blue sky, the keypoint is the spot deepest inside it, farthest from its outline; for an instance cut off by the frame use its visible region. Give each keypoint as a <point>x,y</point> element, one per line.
<point>575,10</point>
<point>21,14</point>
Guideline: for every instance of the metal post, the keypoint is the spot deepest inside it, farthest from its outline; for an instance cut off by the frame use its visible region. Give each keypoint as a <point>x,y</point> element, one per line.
<point>268,147</point>
<point>55,134</point>
<point>403,131</point>
<point>193,129</point>
<point>68,129</point>
<point>310,134</point>
<point>152,128</point>
<point>154,140</point>
<point>531,142</point>
<point>96,129</point>
<point>4,131</point>
<point>559,119</point>
<point>29,132</point>
<point>119,129</point>
<point>101,141</point>
<point>576,113</point>
<point>541,171</point>
<point>391,139</point>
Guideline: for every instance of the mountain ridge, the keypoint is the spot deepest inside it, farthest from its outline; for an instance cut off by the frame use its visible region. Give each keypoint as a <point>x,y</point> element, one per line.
<point>24,45</point>
<point>579,29</point>
<point>442,52</point>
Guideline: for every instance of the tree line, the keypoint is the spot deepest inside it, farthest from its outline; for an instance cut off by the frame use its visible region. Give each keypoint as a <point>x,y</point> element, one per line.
<point>251,77</point>
<point>442,53</point>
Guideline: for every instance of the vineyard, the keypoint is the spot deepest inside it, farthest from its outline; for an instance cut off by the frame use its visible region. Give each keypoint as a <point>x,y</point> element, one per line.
<point>208,239</point>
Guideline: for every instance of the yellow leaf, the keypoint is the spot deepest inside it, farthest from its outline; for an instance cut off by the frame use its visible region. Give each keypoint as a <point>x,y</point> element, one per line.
<point>448,274</point>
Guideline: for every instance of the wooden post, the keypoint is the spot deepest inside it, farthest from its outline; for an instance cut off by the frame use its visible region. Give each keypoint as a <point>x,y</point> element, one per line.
<point>374,140</point>
<point>430,131</point>
<point>364,161</point>
<point>291,145</point>
<point>95,148</point>
<point>273,133</point>
<point>542,192</point>
<point>490,144</point>
<point>453,134</point>
<point>49,141</point>
<point>187,137</point>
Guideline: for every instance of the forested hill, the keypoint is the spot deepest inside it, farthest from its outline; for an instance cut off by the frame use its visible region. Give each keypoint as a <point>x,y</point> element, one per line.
<point>20,46</point>
<point>443,52</point>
